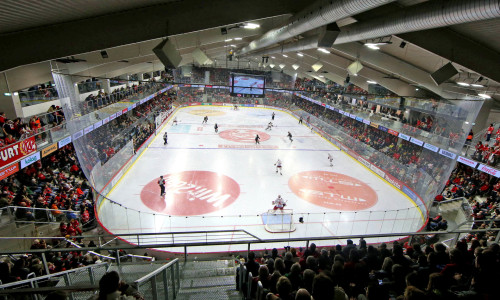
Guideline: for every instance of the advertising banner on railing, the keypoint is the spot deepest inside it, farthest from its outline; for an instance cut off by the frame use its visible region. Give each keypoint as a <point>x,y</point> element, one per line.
<point>64,141</point>
<point>6,172</point>
<point>29,160</point>
<point>49,149</point>
<point>431,147</point>
<point>16,151</point>
<point>467,161</point>
<point>489,170</point>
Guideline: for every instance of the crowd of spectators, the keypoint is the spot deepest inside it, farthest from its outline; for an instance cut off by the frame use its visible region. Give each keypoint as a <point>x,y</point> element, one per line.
<point>137,91</point>
<point>482,192</point>
<point>368,272</point>
<point>52,189</point>
<point>18,268</point>
<point>487,150</point>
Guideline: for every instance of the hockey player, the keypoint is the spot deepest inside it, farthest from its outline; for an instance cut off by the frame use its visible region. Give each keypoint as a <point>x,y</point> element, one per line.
<point>278,166</point>
<point>161,183</point>
<point>279,203</point>
<point>272,116</point>
<point>269,126</point>
<point>205,120</point>
<point>216,128</point>
<point>165,138</point>
<point>290,136</point>
<point>174,122</point>
<point>300,120</point>
<point>330,158</point>
<point>257,139</point>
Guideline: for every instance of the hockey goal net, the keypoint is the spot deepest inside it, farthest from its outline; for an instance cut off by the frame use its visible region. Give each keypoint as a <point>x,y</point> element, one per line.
<point>278,220</point>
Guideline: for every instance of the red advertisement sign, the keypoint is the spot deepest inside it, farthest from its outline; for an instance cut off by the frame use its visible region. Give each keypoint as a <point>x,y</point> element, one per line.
<point>4,173</point>
<point>393,132</point>
<point>17,151</point>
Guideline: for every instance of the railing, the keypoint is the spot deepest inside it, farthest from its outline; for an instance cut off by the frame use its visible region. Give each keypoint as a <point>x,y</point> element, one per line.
<point>163,240</point>
<point>163,283</point>
<point>36,215</point>
<point>86,276</point>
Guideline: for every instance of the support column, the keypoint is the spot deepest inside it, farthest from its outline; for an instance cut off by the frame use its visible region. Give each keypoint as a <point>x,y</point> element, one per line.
<point>10,103</point>
<point>106,85</point>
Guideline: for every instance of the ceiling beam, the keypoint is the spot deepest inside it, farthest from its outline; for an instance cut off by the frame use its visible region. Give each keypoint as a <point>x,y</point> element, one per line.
<point>459,49</point>
<point>127,27</point>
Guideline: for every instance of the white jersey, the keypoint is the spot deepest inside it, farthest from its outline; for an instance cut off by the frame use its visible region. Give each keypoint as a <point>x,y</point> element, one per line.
<point>279,202</point>
<point>330,158</point>
<point>278,163</point>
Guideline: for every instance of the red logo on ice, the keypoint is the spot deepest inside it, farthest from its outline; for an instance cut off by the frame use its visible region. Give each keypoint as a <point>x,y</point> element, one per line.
<point>333,190</point>
<point>191,193</point>
<point>243,135</point>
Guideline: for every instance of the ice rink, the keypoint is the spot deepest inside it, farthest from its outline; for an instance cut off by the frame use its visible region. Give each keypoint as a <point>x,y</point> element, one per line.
<point>225,181</point>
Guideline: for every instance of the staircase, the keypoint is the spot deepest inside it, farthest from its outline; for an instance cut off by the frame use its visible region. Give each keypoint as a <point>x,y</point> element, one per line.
<point>206,280</point>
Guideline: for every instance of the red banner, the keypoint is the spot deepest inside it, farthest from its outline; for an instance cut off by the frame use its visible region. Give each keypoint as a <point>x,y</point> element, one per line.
<point>17,151</point>
<point>4,173</point>
<point>393,132</point>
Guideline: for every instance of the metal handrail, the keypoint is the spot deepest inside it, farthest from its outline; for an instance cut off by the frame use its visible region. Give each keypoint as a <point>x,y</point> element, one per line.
<point>15,283</point>
<point>157,271</point>
<point>249,241</point>
<point>450,200</point>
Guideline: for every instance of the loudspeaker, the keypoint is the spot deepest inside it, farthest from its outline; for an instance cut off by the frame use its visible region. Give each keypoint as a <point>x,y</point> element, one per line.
<point>328,37</point>
<point>167,53</point>
<point>200,57</point>
<point>355,67</point>
<point>444,73</point>
<point>104,54</point>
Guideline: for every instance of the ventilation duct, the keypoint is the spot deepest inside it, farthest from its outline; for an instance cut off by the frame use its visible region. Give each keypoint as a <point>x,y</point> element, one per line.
<point>325,12</point>
<point>429,15</point>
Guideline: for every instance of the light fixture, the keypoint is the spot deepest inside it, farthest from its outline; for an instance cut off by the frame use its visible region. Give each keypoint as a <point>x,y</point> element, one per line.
<point>300,54</point>
<point>272,65</point>
<point>463,84</point>
<point>372,46</point>
<point>7,94</point>
<point>273,57</point>
<point>228,40</point>
<point>284,55</point>
<point>237,39</point>
<point>371,81</point>
<point>317,66</point>
<point>416,89</point>
<point>233,45</point>
<point>321,76</point>
<point>354,74</point>
<point>16,93</point>
<point>484,96</point>
<point>295,66</point>
<point>282,66</point>
<point>477,85</point>
<point>251,26</point>
<point>323,50</point>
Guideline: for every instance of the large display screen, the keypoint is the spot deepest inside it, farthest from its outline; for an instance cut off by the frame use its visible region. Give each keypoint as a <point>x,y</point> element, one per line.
<point>245,85</point>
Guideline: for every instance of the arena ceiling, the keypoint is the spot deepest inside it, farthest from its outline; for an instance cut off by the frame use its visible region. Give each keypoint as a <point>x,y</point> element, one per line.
<point>34,34</point>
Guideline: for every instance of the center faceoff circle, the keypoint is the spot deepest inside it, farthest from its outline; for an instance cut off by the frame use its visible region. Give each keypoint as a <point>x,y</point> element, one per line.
<point>243,135</point>
<point>191,193</point>
<point>333,190</point>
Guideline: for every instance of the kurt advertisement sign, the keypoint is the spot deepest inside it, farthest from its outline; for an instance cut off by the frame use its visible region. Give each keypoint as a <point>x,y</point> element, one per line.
<point>16,151</point>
